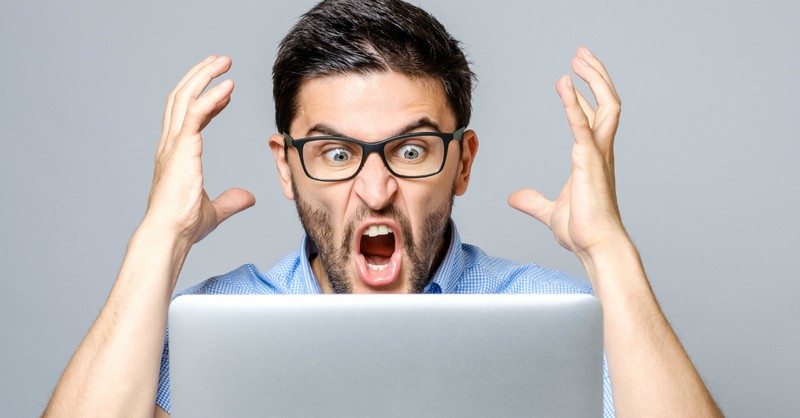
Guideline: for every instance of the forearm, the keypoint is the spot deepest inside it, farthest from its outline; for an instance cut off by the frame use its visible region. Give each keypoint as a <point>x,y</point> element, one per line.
<point>651,374</point>
<point>114,371</point>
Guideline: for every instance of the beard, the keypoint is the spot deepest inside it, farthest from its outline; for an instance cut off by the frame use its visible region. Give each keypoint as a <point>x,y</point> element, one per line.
<point>318,225</point>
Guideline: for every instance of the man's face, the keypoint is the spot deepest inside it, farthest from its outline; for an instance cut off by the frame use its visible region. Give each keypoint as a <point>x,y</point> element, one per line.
<point>375,232</point>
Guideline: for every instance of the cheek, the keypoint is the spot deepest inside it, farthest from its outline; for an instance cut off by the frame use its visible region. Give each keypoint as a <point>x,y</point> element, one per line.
<point>424,201</point>
<point>332,198</point>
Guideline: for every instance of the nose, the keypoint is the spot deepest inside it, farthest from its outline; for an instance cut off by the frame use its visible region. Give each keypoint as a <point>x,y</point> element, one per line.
<point>375,185</point>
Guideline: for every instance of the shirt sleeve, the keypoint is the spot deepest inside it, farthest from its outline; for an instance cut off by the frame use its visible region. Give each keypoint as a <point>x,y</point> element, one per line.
<point>162,395</point>
<point>608,400</point>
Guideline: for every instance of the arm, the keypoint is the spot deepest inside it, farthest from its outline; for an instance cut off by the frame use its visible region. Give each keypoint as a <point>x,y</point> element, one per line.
<point>114,371</point>
<point>651,374</point>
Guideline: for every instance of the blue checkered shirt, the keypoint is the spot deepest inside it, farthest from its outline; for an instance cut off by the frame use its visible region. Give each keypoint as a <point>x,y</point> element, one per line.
<point>465,269</point>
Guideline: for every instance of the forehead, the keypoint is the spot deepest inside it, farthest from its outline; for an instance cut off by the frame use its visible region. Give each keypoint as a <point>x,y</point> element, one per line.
<point>371,106</point>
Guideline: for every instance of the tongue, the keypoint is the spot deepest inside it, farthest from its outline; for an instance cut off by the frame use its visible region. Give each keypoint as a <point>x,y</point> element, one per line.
<point>387,272</point>
<point>376,260</point>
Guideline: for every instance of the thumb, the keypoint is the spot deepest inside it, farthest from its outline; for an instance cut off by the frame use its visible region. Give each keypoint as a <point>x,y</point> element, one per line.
<point>231,202</point>
<point>533,203</point>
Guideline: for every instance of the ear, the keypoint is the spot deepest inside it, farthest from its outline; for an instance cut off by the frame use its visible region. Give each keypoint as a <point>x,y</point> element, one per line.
<point>276,144</point>
<point>469,148</point>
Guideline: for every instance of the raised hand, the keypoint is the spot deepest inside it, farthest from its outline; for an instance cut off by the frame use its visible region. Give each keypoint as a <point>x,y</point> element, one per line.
<point>178,201</point>
<point>650,371</point>
<point>114,371</point>
<point>584,217</point>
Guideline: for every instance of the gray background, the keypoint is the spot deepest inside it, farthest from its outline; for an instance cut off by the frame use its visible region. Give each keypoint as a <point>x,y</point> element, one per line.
<point>707,162</point>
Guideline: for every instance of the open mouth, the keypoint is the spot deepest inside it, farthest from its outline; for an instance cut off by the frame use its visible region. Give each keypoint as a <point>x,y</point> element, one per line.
<point>378,257</point>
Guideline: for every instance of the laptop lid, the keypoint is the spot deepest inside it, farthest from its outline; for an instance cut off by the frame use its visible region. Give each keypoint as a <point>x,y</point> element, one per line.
<point>386,356</point>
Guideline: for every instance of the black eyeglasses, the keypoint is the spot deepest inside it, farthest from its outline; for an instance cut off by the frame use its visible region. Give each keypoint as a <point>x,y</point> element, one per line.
<point>333,158</point>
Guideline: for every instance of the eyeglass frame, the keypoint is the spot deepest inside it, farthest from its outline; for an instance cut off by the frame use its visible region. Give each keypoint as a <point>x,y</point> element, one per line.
<point>368,148</point>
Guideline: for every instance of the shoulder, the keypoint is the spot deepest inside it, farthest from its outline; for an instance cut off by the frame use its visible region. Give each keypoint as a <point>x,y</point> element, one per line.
<point>244,280</point>
<point>248,279</point>
<point>488,274</point>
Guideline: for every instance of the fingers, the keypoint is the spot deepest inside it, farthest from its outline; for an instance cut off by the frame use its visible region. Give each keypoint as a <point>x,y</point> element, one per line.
<point>171,97</point>
<point>193,87</point>
<point>606,97</point>
<point>200,112</point>
<point>533,203</point>
<point>586,107</point>
<point>605,118</point>
<point>578,121</point>
<point>217,109</point>
<point>188,89</point>
<point>598,65</point>
<point>231,202</point>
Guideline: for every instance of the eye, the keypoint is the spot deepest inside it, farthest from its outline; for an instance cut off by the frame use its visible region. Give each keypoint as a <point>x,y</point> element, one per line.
<point>338,155</point>
<point>410,152</point>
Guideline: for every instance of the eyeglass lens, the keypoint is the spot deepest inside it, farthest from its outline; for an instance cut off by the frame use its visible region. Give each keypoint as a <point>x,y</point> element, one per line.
<point>332,159</point>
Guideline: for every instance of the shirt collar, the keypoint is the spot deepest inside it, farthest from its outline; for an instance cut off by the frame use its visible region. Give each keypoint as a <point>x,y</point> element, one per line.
<point>451,269</point>
<point>307,248</point>
<point>444,280</point>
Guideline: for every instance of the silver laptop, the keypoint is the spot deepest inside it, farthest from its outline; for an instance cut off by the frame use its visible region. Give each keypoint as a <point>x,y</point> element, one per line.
<point>386,356</point>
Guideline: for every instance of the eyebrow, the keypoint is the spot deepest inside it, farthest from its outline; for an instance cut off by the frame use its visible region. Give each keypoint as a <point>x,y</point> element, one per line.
<point>323,129</point>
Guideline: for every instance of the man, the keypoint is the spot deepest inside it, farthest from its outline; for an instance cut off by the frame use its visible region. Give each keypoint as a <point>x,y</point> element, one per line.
<point>372,108</point>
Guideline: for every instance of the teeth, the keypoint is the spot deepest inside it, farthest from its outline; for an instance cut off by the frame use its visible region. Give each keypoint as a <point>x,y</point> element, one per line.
<point>377,267</point>
<point>375,230</point>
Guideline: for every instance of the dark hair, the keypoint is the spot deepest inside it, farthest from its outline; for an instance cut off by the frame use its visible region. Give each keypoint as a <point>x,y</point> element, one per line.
<point>368,36</point>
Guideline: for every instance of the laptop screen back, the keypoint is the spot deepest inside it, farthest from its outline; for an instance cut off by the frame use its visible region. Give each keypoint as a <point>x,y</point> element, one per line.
<point>386,356</point>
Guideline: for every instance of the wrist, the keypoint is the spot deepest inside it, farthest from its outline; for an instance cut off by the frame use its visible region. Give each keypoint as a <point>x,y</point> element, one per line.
<point>166,233</point>
<point>155,246</point>
<point>614,267</point>
<point>620,247</point>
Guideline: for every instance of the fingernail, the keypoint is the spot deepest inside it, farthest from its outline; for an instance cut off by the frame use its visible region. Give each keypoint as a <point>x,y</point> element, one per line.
<point>588,53</point>
<point>568,81</point>
<point>582,61</point>
<point>220,59</point>
<point>209,58</point>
